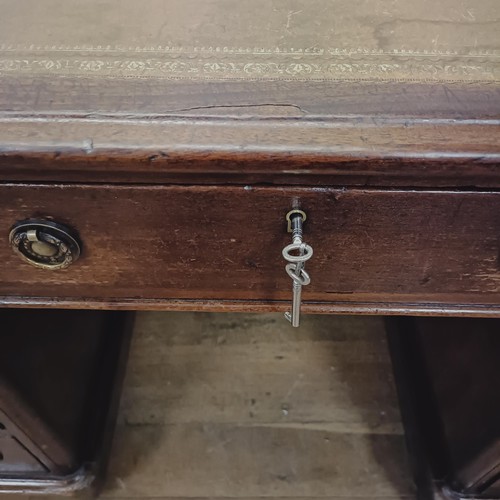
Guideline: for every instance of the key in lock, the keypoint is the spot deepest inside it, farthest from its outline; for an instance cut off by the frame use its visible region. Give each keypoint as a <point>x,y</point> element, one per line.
<point>297,254</point>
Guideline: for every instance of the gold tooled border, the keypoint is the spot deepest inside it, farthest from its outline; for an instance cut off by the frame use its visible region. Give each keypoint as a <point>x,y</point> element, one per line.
<point>250,63</point>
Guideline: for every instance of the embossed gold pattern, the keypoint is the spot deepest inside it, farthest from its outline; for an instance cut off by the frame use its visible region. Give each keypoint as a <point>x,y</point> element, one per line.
<point>225,63</point>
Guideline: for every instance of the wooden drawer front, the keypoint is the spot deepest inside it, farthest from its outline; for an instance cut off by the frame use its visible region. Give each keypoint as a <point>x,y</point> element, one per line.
<point>159,242</point>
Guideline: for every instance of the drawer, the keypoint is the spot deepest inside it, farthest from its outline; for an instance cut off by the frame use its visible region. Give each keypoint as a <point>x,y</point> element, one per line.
<point>158,243</point>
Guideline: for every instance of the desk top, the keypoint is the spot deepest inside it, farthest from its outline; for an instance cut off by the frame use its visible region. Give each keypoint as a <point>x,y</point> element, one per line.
<point>330,81</point>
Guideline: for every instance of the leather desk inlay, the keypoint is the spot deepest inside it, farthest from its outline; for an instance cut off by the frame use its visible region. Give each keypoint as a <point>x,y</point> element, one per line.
<point>230,39</point>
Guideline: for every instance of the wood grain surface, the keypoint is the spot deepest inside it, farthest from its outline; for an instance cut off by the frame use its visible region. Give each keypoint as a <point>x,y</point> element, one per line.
<point>354,134</point>
<point>210,243</point>
<point>244,406</point>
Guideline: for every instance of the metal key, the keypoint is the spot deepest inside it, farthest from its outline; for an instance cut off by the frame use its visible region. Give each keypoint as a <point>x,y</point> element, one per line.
<point>296,254</point>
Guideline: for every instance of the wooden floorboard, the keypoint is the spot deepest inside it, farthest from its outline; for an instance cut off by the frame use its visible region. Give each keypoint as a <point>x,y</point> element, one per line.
<point>244,406</point>
<point>210,460</point>
<point>259,370</point>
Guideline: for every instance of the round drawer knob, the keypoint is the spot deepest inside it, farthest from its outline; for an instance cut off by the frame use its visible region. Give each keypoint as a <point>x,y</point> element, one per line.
<point>45,244</point>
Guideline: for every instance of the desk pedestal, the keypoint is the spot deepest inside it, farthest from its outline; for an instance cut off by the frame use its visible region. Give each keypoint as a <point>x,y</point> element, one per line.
<point>448,381</point>
<point>60,375</point>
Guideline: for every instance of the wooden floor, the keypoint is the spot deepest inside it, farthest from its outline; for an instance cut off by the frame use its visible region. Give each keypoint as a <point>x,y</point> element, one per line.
<point>238,406</point>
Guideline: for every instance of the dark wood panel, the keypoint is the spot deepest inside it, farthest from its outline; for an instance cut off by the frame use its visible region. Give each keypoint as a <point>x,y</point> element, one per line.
<point>342,133</point>
<point>146,243</point>
<point>257,306</point>
<point>86,97</point>
<point>351,151</point>
<point>60,381</point>
<point>448,378</point>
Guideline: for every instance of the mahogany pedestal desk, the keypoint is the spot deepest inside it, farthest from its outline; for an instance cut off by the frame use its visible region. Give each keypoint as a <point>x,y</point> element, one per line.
<point>150,152</point>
